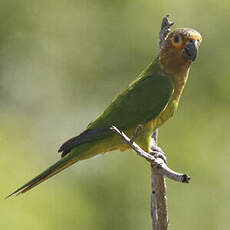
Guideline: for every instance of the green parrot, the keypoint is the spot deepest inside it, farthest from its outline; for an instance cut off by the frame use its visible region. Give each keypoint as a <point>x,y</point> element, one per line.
<point>150,101</point>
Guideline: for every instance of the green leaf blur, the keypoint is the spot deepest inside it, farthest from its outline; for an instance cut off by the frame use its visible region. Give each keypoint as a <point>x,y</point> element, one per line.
<point>61,63</point>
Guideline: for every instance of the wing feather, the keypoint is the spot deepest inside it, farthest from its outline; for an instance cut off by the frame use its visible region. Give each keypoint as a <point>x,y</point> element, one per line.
<point>144,100</point>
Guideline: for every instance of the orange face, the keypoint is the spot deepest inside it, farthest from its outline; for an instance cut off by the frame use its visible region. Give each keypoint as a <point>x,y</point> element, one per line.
<point>180,37</point>
<point>179,50</point>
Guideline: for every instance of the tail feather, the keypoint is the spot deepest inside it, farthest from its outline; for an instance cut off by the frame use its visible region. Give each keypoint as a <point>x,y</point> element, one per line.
<point>51,171</point>
<point>89,135</point>
<point>74,154</point>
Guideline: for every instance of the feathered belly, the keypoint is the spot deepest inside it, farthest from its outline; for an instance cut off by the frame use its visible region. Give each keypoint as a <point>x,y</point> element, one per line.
<point>168,112</point>
<point>171,108</point>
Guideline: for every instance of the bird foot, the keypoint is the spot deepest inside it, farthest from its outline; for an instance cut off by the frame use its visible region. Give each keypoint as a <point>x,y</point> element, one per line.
<point>157,152</point>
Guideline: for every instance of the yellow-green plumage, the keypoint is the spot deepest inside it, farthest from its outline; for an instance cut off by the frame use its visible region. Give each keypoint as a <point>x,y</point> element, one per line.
<point>150,100</point>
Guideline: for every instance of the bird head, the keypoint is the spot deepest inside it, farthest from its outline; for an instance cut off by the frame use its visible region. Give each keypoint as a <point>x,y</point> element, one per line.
<point>179,50</point>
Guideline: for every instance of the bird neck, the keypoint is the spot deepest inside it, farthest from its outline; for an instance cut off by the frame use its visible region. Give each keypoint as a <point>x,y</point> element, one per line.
<point>178,77</point>
<point>177,70</point>
<point>179,81</point>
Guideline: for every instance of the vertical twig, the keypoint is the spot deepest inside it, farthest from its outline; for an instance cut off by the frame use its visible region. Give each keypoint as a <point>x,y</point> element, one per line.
<point>165,29</point>
<point>159,210</point>
<point>153,193</point>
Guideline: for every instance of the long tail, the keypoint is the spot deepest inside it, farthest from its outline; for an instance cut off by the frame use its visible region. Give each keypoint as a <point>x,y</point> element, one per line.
<point>72,151</point>
<point>51,171</point>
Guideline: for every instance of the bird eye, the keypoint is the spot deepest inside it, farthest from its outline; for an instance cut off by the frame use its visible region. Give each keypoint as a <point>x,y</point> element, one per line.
<point>176,39</point>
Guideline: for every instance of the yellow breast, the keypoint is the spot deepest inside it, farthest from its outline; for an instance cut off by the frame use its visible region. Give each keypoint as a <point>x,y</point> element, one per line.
<point>179,83</point>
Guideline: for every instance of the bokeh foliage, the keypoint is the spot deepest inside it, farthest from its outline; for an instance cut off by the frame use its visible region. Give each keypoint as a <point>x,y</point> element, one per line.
<point>61,63</point>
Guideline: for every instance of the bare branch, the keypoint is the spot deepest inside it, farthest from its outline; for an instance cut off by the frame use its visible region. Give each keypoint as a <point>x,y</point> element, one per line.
<point>159,168</point>
<point>157,163</point>
<point>154,208</point>
<point>165,29</point>
<point>159,209</point>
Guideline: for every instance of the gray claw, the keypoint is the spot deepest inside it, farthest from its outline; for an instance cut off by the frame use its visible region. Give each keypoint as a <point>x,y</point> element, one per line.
<point>157,152</point>
<point>160,155</point>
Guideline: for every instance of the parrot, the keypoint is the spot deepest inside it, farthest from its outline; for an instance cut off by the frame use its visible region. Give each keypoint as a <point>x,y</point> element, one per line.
<point>149,101</point>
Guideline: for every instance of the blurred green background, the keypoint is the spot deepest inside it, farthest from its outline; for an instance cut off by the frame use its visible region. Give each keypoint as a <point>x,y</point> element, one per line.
<point>61,63</point>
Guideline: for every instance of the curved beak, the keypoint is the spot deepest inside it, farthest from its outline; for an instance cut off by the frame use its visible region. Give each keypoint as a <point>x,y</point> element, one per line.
<point>190,50</point>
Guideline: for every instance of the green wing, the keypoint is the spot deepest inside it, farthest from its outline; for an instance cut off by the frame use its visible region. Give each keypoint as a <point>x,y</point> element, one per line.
<point>143,101</point>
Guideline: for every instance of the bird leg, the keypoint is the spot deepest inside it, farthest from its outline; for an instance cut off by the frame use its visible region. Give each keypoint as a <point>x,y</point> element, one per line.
<point>156,151</point>
<point>137,131</point>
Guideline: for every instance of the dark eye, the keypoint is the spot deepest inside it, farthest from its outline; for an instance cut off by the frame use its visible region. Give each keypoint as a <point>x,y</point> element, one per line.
<point>176,39</point>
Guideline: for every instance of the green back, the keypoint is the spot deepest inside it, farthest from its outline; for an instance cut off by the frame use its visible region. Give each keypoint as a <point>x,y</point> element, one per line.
<point>142,101</point>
